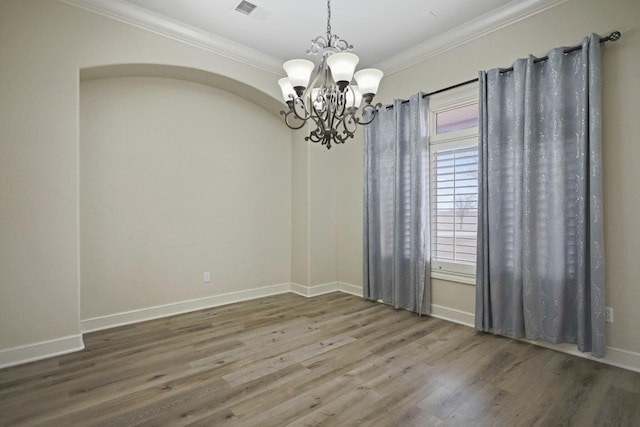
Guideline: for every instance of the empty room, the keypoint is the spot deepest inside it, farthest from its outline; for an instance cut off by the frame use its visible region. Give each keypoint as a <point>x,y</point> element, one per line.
<point>319,213</point>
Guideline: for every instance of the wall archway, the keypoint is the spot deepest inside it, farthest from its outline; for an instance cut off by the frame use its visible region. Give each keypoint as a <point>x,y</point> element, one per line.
<point>194,75</point>
<point>180,174</point>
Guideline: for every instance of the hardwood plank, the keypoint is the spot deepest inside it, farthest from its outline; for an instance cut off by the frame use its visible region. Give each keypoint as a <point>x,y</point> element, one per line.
<point>346,410</point>
<point>412,416</point>
<point>618,408</point>
<point>282,360</point>
<point>332,360</point>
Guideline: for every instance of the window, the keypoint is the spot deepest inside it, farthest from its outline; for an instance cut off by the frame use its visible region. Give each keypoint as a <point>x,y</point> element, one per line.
<point>454,184</point>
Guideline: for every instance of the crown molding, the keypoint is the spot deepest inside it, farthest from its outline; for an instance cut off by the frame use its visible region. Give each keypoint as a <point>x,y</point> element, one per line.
<point>139,17</point>
<point>472,30</point>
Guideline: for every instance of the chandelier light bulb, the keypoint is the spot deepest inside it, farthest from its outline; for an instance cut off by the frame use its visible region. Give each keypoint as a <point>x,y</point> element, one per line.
<point>299,72</point>
<point>368,80</point>
<point>342,66</point>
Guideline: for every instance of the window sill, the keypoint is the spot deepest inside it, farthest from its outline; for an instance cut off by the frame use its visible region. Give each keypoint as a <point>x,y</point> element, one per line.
<point>454,277</point>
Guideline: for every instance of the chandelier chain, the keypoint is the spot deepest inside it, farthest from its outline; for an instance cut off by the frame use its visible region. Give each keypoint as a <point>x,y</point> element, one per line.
<point>328,20</point>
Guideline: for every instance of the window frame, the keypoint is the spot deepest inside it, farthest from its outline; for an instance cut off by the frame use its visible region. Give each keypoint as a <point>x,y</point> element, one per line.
<point>450,100</point>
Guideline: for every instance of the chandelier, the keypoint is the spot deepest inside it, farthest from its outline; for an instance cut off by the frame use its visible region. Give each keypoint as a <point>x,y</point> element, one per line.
<point>330,102</point>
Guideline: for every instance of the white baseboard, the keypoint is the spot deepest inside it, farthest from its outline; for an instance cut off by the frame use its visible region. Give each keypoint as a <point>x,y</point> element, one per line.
<point>621,358</point>
<point>614,356</point>
<point>452,315</point>
<point>325,288</point>
<point>150,313</point>
<point>315,290</point>
<point>299,289</point>
<point>40,350</point>
<point>349,288</point>
<point>618,357</point>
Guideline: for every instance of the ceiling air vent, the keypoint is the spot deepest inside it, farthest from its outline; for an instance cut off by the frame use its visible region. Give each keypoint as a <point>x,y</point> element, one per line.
<point>245,7</point>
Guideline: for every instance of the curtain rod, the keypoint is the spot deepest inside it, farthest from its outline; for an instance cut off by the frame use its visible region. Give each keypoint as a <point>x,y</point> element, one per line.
<point>614,36</point>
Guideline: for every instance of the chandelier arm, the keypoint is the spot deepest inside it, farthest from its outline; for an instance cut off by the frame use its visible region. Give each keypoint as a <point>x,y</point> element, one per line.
<point>336,124</point>
<point>339,138</point>
<point>313,137</point>
<point>350,125</point>
<point>287,115</point>
<point>340,44</point>
<point>316,134</point>
<point>324,119</point>
<point>341,107</point>
<point>312,85</point>
<point>325,130</point>
<point>337,120</point>
<point>299,101</point>
<point>329,112</point>
<point>317,45</point>
<point>371,109</point>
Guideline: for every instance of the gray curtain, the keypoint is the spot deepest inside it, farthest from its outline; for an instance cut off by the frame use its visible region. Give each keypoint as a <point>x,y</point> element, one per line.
<point>396,214</point>
<point>540,265</point>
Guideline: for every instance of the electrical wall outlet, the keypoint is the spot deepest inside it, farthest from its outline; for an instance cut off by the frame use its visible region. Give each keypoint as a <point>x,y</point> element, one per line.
<point>207,277</point>
<point>608,314</point>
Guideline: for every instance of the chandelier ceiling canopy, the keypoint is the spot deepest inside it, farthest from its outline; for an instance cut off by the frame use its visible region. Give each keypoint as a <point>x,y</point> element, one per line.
<point>331,102</point>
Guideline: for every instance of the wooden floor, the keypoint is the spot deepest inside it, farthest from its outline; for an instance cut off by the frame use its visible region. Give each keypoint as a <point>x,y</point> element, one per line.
<point>333,360</point>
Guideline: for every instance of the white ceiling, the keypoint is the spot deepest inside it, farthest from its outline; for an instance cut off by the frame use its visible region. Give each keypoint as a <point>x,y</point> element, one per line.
<point>384,33</point>
<point>378,29</point>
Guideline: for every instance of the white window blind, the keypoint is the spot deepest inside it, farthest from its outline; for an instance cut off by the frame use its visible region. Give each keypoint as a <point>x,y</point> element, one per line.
<point>453,161</point>
<point>454,201</point>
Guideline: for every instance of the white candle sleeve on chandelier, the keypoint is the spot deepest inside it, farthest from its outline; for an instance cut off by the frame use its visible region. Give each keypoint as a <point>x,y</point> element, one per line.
<point>354,96</point>
<point>342,66</point>
<point>287,89</point>
<point>299,72</point>
<point>368,80</point>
